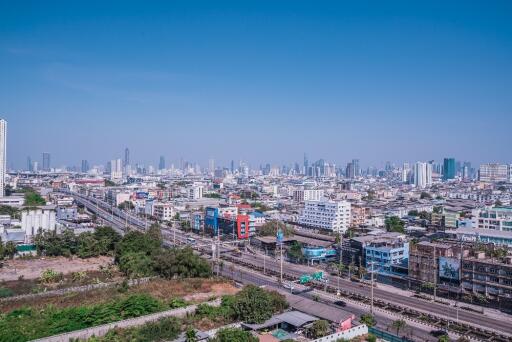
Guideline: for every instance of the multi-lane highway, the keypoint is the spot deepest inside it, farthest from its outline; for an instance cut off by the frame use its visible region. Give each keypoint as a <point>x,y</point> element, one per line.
<point>122,220</point>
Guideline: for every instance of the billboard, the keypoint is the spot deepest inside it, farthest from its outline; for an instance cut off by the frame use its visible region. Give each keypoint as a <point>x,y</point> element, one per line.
<point>449,268</point>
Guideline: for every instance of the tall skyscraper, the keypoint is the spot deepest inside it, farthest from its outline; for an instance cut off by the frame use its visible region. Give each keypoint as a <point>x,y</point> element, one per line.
<point>85,166</point>
<point>357,169</point>
<point>116,169</point>
<point>306,164</point>
<point>232,166</point>
<point>422,175</point>
<point>449,168</point>
<point>46,161</point>
<point>29,164</point>
<point>3,155</point>
<point>126,157</point>
<point>211,166</point>
<point>161,164</point>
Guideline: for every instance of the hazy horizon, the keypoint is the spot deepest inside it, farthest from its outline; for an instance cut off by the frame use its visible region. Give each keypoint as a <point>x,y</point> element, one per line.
<point>259,81</point>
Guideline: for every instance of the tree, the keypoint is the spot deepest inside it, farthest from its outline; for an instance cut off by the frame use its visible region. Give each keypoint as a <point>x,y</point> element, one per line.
<point>337,238</point>
<point>295,252</point>
<point>270,229</point>
<point>88,246</point>
<point>368,320</point>
<point>10,249</point>
<point>33,199</point>
<point>255,305</point>
<point>2,250</point>
<point>394,224</point>
<point>443,338</point>
<point>155,233</point>
<point>361,271</point>
<point>136,264</point>
<point>107,237</point>
<point>425,195</point>
<point>126,205</point>
<point>180,263</point>
<point>233,335</point>
<point>399,324</point>
<point>319,329</point>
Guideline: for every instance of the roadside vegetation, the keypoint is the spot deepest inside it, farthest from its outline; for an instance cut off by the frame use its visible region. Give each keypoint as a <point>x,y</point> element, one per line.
<point>252,305</point>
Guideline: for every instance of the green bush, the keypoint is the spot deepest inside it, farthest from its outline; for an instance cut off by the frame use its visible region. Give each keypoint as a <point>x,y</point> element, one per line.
<point>233,335</point>
<point>27,324</point>
<point>5,292</point>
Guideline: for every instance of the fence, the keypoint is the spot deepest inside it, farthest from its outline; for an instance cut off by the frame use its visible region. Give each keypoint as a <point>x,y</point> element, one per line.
<point>387,336</point>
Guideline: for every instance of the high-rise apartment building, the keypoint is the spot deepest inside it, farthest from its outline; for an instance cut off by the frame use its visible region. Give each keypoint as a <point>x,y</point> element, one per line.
<point>494,173</point>
<point>3,155</point>
<point>85,166</point>
<point>116,169</point>
<point>46,161</point>
<point>211,166</point>
<point>161,163</point>
<point>422,175</point>
<point>448,168</point>
<point>126,157</point>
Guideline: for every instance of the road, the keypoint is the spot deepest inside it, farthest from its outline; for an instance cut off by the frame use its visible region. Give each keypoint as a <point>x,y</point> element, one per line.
<point>120,220</point>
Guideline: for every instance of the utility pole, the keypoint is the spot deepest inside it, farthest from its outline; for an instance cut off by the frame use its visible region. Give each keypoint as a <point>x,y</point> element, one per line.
<point>435,274</point>
<point>264,262</point>
<point>371,307</point>
<point>281,263</point>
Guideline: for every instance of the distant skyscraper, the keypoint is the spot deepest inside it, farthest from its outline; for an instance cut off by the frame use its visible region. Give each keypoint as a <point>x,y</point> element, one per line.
<point>161,164</point>
<point>116,169</point>
<point>422,175</point>
<point>355,165</point>
<point>35,166</point>
<point>406,169</point>
<point>232,166</point>
<point>126,157</point>
<point>85,166</point>
<point>3,155</point>
<point>306,164</point>
<point>449,168</point>
<point>29,164</point>
<point>211,166</point>
<point>46,161</point>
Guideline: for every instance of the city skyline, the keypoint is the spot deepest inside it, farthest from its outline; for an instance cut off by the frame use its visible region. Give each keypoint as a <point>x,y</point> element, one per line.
<point>257,81</point>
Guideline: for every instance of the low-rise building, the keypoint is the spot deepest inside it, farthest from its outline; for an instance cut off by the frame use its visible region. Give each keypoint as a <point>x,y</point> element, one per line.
<point>37,219</point>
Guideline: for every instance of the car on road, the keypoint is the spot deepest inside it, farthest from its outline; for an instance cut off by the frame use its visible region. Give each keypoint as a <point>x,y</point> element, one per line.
<point>340,303</point>
<point>438,333</point>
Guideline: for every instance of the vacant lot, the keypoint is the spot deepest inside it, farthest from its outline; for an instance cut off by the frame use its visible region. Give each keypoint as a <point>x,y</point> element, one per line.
<point>32,268</point>
<point>192,290</point>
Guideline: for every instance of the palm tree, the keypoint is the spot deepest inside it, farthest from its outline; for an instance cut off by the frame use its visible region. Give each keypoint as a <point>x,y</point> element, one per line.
<point>399,324</point>
<point>362,271</point>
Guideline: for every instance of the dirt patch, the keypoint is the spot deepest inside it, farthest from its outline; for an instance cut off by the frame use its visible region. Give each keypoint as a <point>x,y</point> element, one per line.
<point>216,290</point>
<point>32,268</point>
<point>192,290</point>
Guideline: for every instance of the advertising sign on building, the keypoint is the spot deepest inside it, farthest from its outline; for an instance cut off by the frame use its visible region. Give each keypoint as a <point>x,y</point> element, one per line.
<point>449,268</point>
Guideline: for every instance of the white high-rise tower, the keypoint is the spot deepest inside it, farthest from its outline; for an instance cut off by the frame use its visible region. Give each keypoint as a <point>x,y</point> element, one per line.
<point>3,155</point>
<point>422,175</point>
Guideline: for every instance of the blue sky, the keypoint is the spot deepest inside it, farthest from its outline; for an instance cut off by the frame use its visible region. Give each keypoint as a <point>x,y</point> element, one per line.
<point>256,80</point>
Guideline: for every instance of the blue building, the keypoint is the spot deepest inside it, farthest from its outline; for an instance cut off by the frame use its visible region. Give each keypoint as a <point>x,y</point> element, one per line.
<point>387,256</point>
<point>312,253</point>
<point>449,168</point>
